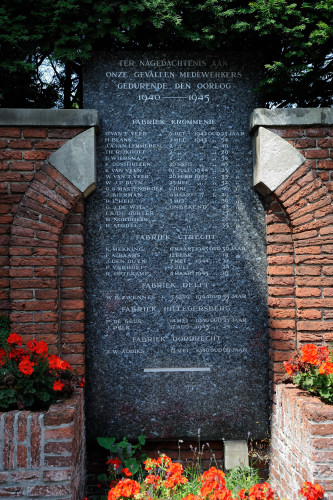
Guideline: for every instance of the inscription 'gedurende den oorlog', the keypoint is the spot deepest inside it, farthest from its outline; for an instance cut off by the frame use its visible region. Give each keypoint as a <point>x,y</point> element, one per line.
<point>175,256</point>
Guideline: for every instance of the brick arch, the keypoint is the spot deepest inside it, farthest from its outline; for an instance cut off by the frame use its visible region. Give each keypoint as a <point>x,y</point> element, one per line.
<point>300,272</point>
<point>35,254</point>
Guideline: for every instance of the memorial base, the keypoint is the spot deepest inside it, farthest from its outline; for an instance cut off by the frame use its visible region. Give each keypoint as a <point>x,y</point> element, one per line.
<point>302,444</point>
<point>42,454</point>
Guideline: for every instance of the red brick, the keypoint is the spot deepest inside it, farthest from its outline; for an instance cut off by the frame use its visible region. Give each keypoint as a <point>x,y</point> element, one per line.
<point>21,294</point>
<point>41,188</point>
<point>34,261</point>
<point>64,133</point>
<point>308,270</point>
<point>308,292</point>
<point>315,325</point>
<point>282,313</point>
<point>314,250</point>
<point>304,235</point>
<point>12,492</point>
<point>281,302</point>
<point>36,305</point>
<point>325,164</point>
<point>318,193</point>
<point>22,456</point>
<point>278,228</point>
<point>10,132</point>
<point>281,324</point>
<point>316,153</point>
<point>72,315</point>
<point>317,132</point>
<point>22,165</point>
<point>20,144</point>
<point>40,330</point>
<point>34,132</point>
<point>280,270</point>
<point>54,491</point>
<point>44,272</point>
<point>34,283</point>
<point>48,144</point>
<point>45,179</point>
<point>59,433</point>
<point>72,304</point>
<point>57,475</point>
<point>309,314</point>
<point>74,359</point>
<point>35,155</point>
<point>46,294</point>
<point>70,338</point>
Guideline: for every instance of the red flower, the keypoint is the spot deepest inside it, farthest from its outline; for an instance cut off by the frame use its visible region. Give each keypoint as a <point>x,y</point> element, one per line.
<point>41,347</point>
<point>13,338</point>
<point>115,462</point>
<point>326,368</point>
<point>262,491</point>
<point>26,366</point>
<point>126,472</point>
<point>154,480</point>
<point>311,491</point>
<point>310,354</point>
<point>82,383</point>
<point>55,363</point>
<point>126,488</point>
<point>2,356</point>
<point>58,385</point>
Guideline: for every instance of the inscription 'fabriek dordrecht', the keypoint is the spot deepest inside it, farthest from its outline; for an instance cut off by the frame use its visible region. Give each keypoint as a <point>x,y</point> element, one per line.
<point>176,327</point>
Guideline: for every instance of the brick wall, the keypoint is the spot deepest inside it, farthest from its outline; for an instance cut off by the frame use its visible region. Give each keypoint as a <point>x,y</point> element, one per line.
<point>302,445</point>
<point>41,242</point>
<point>42,454</point>
<point>299,249</point>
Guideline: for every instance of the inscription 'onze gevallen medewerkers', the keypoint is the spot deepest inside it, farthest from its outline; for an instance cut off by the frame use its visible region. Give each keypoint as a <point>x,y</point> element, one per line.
<point>175,255</point>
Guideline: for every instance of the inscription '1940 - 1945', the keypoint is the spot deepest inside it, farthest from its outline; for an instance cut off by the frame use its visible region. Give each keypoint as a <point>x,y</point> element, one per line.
<point>176,322</point>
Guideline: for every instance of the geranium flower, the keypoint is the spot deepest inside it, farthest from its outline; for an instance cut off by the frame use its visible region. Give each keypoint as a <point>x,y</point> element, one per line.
<point>326,368</point>
<point>126,488</point>
<point>58,385</point>
<point>82,383</point>
<point>26,366</point>
<point>126,472</point>
<point>155,481</point>
<point>41,347</point>
<point>2,356</point>
<point>13,338</point>
<point>311,491</point>
<point>55,363</point>
<point>115,462</point>
<point>310,354</point>
<point>262,491</point>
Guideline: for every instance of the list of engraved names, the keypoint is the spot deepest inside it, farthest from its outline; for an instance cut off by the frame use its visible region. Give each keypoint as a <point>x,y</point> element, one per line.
<point>178,279</point>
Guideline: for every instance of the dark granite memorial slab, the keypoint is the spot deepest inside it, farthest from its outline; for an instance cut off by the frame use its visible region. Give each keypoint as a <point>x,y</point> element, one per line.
<point>175,250</point>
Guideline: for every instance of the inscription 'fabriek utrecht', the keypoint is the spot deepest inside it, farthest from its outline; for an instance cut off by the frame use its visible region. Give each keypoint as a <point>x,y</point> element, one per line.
<point>175,248</point>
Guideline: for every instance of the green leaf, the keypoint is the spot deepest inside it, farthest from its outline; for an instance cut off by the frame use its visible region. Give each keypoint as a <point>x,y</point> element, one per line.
<point>142,440</point>
<point>106,442</point>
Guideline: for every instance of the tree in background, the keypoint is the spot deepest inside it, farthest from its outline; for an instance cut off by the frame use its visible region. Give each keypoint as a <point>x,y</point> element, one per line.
<point>43,43</point>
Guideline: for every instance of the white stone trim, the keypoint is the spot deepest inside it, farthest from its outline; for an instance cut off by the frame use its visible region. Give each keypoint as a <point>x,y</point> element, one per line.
<point>76,160</point>
<point>274,160</point>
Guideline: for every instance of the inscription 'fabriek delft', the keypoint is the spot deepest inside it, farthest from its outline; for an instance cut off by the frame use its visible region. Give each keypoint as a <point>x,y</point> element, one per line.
<point>175,257</point>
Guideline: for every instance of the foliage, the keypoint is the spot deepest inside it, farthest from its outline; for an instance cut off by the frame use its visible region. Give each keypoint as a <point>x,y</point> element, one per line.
<point>167,479</point>
<point>128,465</point>
<point>311,369</point>
<point>4,330</point>
<point>295,37</point>
<point>31,377</point>
<point>240,478</point>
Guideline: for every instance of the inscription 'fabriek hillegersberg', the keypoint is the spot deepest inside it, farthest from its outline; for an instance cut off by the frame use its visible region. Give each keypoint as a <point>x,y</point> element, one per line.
<point>175,254</point>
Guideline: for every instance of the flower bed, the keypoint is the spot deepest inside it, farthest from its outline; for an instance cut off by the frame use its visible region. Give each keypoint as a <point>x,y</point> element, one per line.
<point>42,454</point>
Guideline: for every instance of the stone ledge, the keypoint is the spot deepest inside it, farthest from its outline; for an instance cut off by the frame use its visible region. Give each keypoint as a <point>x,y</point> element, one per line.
<point>59,118</point>
<point>262,117</point>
